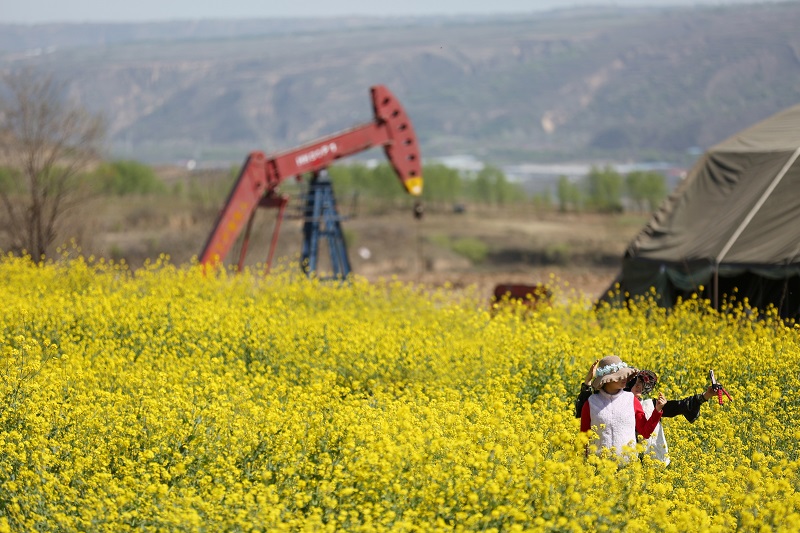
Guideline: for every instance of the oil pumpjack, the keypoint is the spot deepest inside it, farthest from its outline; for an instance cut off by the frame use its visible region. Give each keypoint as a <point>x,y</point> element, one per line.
<point>261,174</point>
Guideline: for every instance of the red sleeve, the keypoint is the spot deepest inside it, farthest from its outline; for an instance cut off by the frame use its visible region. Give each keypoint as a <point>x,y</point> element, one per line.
<point>645,427</point>
<point>586,417</point>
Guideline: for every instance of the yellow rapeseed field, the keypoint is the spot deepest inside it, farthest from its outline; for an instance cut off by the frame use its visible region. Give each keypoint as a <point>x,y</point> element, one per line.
<point>166,400</point>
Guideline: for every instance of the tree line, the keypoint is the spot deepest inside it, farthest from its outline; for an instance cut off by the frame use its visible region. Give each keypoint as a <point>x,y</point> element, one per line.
<point>607,191</point>
<point>603,189</point>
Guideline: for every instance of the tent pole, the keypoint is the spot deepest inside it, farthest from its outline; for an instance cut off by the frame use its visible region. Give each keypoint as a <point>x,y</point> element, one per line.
<point>764,196</point>
<point>775,181</point>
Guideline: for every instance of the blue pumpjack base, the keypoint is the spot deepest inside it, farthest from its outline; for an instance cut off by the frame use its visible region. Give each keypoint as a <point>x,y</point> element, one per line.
<point>322,220</point>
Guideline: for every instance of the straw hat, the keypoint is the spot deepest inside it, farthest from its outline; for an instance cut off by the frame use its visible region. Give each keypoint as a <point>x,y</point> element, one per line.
<point>611,368</point>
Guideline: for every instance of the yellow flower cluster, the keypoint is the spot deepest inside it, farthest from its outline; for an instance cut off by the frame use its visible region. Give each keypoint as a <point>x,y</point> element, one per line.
<point>167,399</point>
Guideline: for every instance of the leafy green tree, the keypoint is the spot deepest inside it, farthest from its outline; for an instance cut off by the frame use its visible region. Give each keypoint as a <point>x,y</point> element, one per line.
<point>385,184</point>
<point>634,188</point>
<point>443,185</point>
<point>128,177</point>
<point>569,194</point>
<point>504,191</point>
<point>482,188</point>
<point>9,180</point>
<point>361,178</point>
<point>542,200</point>
<point>604,189</point>
<point>646,189</point>
<point>493,176</point>
<point>342,179</point>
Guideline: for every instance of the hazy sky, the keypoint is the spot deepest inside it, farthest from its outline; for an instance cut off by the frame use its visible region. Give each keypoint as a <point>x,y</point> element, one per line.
<point>39,11</point>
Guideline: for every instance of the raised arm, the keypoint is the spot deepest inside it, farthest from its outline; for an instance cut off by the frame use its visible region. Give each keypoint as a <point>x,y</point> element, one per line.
<point>689,407</point>
<point>586,389</point>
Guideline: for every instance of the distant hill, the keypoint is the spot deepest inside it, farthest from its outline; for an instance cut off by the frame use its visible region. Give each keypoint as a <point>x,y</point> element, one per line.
<point>579,84</point>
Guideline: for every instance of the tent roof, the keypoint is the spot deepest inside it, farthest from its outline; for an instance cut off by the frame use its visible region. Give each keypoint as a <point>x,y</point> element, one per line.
<point>778,132</point>
<point>739,205</point>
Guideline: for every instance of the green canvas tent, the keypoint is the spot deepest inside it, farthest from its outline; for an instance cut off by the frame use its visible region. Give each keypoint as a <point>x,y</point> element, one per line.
<point>732,226</point>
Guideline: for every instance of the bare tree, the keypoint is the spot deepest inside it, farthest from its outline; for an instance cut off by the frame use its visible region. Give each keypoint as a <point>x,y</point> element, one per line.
<point>47,143</point>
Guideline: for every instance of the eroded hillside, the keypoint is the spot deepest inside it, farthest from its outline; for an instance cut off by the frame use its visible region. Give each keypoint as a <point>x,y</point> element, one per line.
<point>574,84</point>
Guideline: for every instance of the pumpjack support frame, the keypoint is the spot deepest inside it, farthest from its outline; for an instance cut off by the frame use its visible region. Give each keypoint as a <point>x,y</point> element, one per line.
<point>321,220</point>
